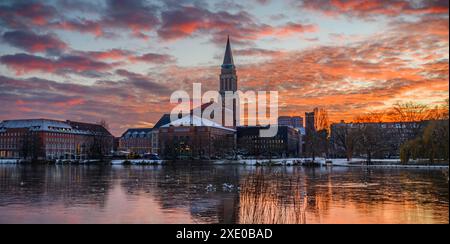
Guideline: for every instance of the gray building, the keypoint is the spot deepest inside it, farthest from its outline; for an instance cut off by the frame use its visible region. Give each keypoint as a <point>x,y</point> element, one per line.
<point>310,122</point>
<point>294,121</point>
<point>287,142</point>
<point>143,141</point>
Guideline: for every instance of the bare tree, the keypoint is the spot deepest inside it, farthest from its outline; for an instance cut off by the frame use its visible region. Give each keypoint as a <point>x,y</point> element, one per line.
<point>406,112</point>
<point>439,112</point>
<point>316,143</point>
<point>371,117</point>
<point>409,112</point>
<point>316,140</point>
<point>445,108</point>
<point>345,138</point>
<point>321,121</point>
<point>104,124</point>
<point>371,141</point>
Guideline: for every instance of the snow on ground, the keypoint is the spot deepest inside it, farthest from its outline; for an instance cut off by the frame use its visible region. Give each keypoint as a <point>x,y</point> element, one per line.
<point>356,161</point>
<point>9,161</point>
<point>68,161</point>
<point>342,162</point>
<point>284,161</point>
<point>136,162</point>
<point>383,163</point>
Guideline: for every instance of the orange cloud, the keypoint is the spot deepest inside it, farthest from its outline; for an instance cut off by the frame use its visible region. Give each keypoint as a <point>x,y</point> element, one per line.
<point>70,102</point>
<point>368,8</point>
<point>347,80</point>
<point>187,21</point>
<point>408,61</point>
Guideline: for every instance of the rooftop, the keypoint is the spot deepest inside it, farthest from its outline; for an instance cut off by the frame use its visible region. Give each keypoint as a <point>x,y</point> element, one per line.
<point>196,122</point>
<point>165,119</point>
<point>137,132</point>
<point>49,125</point>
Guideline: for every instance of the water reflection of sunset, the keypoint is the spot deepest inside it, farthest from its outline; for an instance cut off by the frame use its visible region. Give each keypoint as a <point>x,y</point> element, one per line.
<point>282,198</point>
<point>165,194</point>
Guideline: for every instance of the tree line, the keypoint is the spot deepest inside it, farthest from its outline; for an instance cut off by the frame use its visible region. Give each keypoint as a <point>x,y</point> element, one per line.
<point>411,130</point>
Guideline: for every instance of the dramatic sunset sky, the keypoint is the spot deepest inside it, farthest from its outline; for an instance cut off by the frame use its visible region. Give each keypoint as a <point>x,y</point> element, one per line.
<point>119,61</point>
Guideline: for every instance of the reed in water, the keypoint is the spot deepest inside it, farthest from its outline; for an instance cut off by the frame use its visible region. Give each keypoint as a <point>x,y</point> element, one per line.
<point>272,198</point>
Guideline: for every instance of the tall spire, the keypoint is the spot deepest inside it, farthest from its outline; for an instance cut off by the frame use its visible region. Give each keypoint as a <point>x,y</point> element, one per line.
<point>228,59</point>
<point>228,83</point>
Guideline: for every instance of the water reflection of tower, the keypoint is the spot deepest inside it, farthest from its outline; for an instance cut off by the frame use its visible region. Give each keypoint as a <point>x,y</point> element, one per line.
<point>229,208</point>
<point>319,198</point>
<point>182,187</point>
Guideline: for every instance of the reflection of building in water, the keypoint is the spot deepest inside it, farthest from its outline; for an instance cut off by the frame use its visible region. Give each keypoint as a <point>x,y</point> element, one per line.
<point>278,196</point>
<point>55,185</point>
<point>268,195</point>
<point>228,209</point>
<point>181,187</point>
<point>317,196</point>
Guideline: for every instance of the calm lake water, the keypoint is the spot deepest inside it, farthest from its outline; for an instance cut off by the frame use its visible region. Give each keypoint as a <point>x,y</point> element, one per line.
<point>221,194</point>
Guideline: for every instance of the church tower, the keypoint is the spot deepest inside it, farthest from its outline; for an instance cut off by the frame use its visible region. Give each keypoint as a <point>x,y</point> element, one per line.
<point>228,82</point>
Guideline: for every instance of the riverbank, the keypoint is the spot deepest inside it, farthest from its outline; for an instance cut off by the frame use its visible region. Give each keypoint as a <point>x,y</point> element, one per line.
<point>322,162</point>
<point>288,162</point>
<point>10,161</point>
<point>294,162</point>
<point>136,162</point>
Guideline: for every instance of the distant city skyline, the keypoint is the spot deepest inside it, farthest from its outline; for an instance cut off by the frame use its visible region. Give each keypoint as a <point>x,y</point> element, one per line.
<point>119,62</point>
